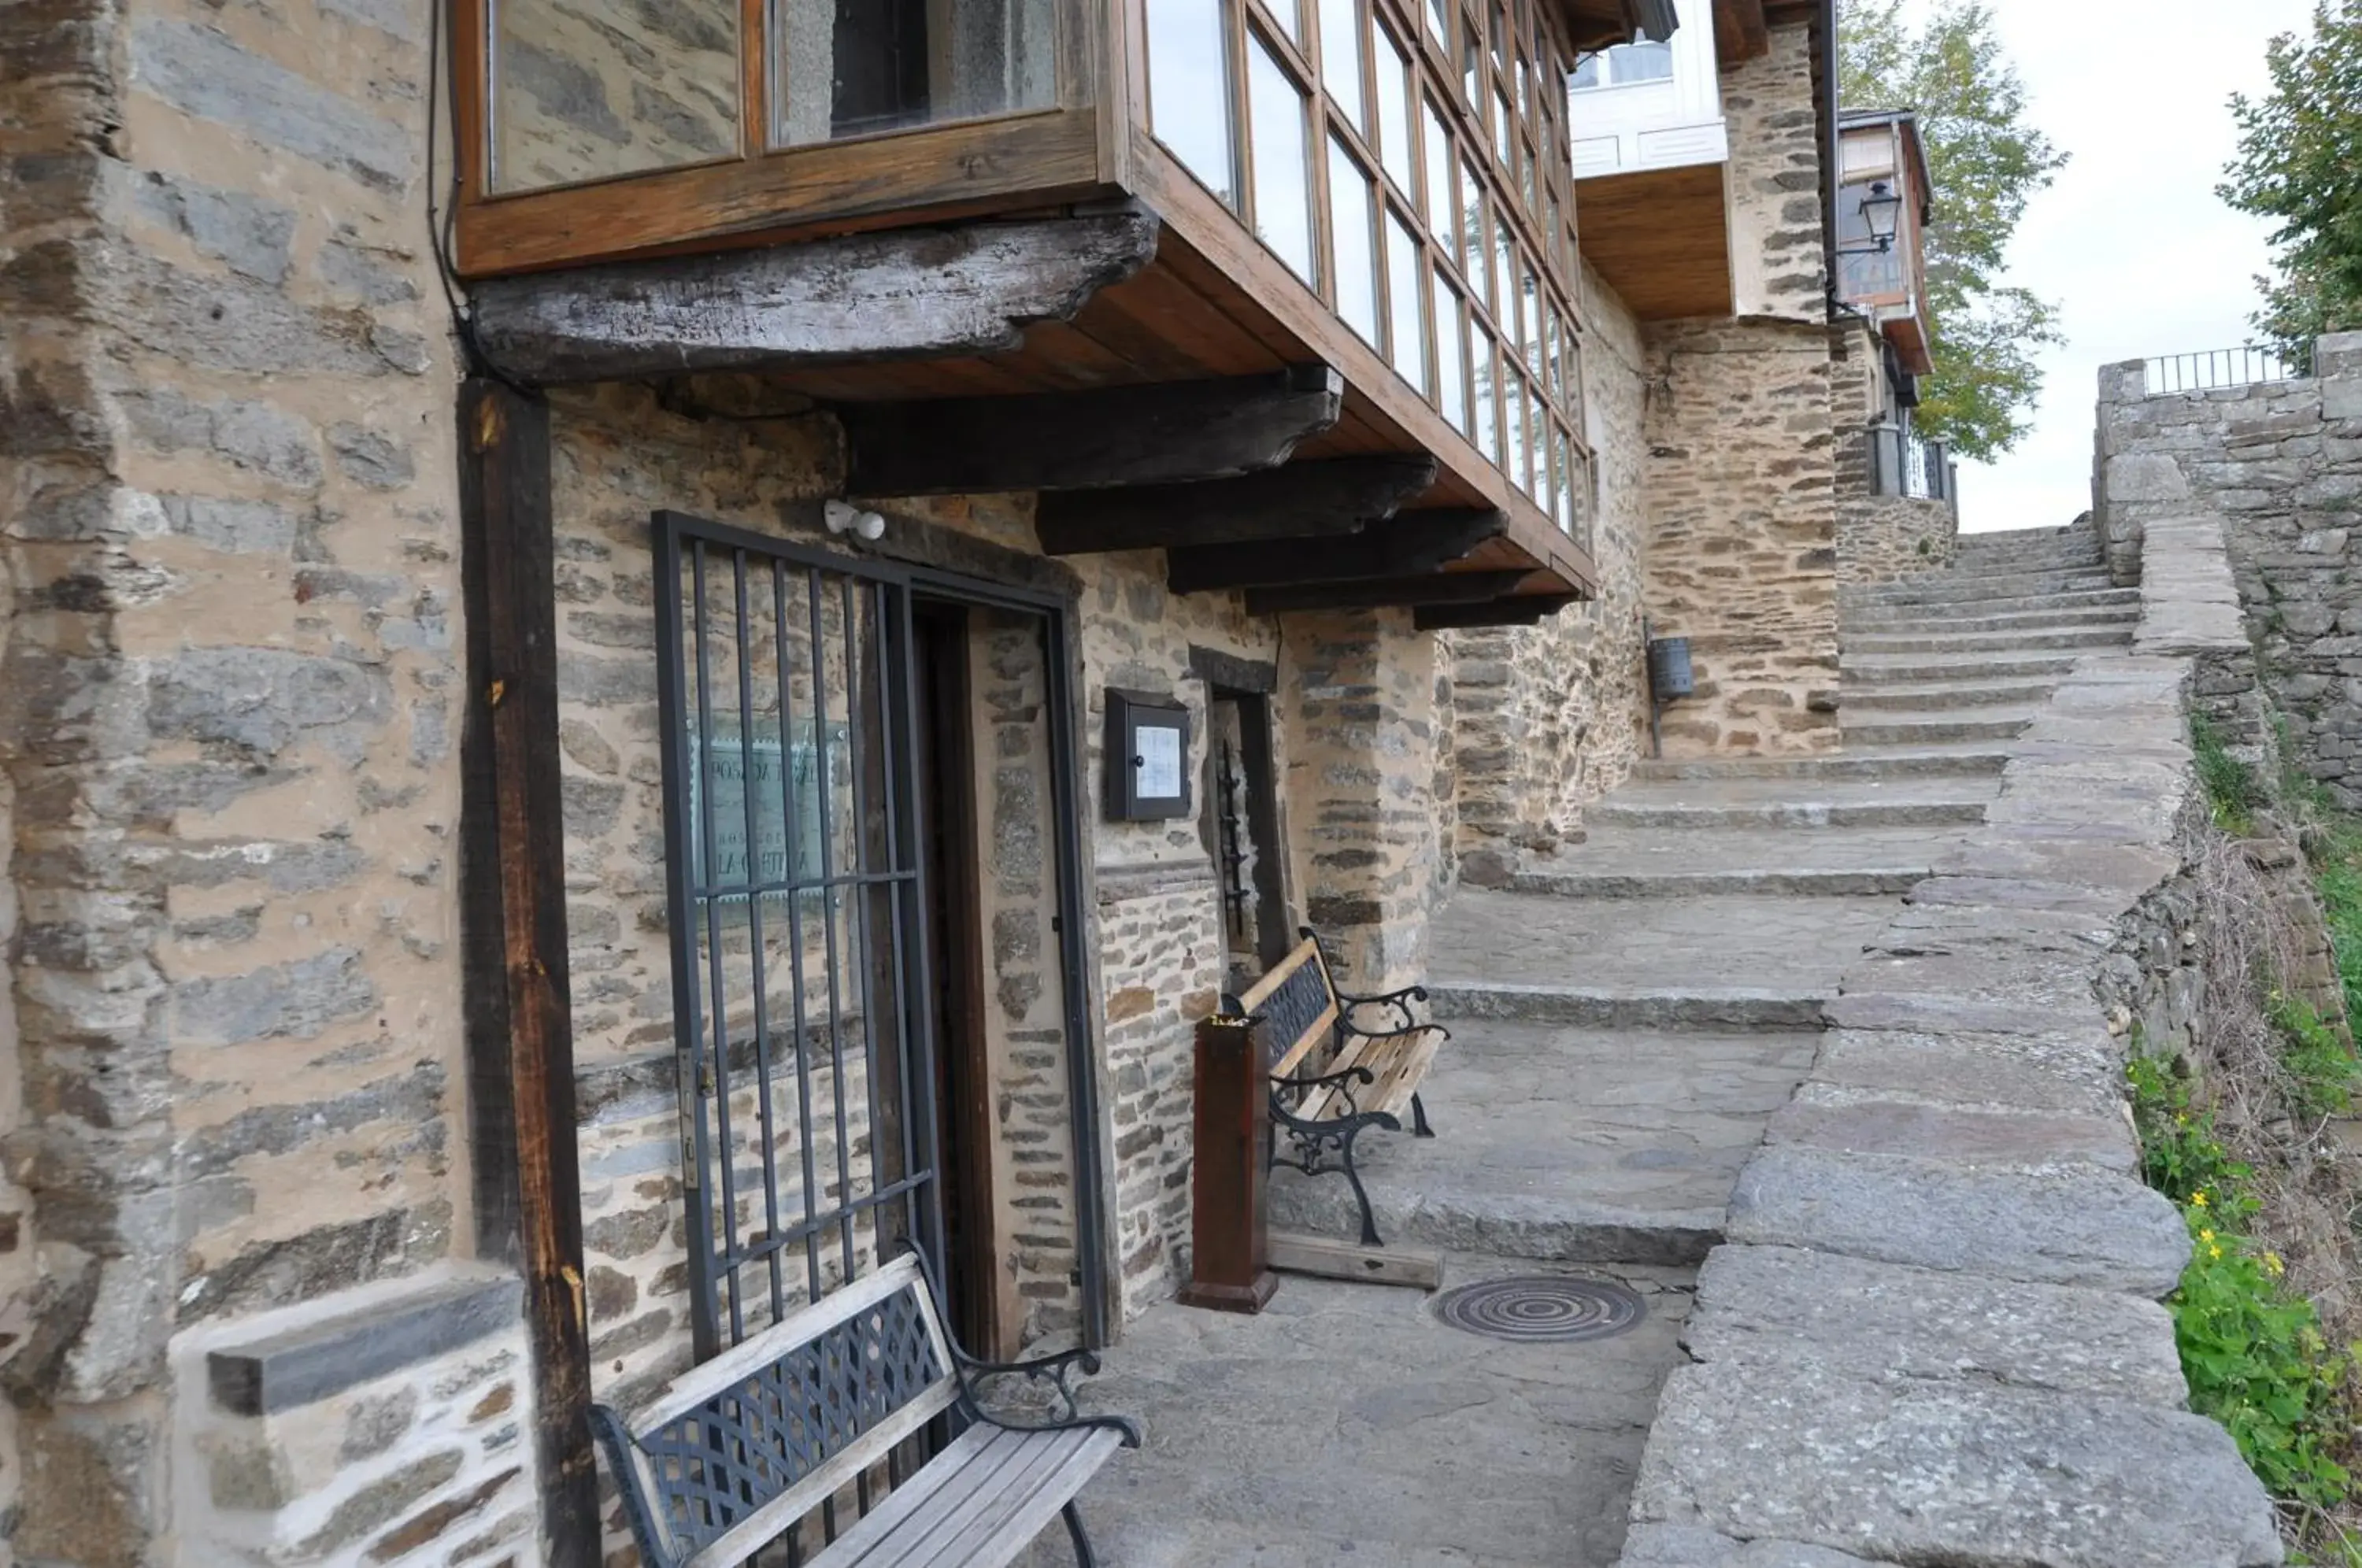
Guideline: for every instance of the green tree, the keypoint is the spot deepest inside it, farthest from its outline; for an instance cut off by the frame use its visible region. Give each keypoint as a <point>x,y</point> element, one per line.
<point>1986,161</point>
<point>2300,162</point>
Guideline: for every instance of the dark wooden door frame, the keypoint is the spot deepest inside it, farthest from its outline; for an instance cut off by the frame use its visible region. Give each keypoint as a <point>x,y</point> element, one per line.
<point>966,1132</point>
<point>519,1020</point>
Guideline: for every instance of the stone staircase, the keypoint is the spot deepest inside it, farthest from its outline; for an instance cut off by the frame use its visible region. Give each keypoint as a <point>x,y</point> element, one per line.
<point>1628,1015</point>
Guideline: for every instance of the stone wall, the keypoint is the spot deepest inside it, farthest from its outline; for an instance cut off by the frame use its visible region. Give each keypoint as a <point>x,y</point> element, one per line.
<point>1880,537</point>
<point>1742,552</point>
<point>2281,462</point>
<point>1547,719</point>
<point>232,545</point>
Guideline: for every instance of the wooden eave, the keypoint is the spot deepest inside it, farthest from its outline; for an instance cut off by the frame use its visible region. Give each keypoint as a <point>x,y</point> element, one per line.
<point>1742,32</point>
<point>1660,238</point>
<point>1598,24</point>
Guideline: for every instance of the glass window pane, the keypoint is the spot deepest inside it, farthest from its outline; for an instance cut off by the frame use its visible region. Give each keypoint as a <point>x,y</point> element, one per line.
<point>1405,267</point>
<point>1587,73</point>
<point>1350,242</point>
<point>1395,149</point>
<point>1504,254</point>
<point>1340,59</point>
<point>1513,427</point>
<point>1189,88</point>
<point>1289,13</point>
<point>1500,31</point>
<point>1450,353</point>
<point>1640,63</point>
<point>1276,141</point>
<point>1442,206</point>
<point>1501,127</point>
<point>1529,318</point>
<point>574,99</point>
<point>1439,24</point>
<point>1472,228</point>
<point>1471,63</point>
<point>892,64</point>
<point>1566,484</point>
<point>1487,433</point>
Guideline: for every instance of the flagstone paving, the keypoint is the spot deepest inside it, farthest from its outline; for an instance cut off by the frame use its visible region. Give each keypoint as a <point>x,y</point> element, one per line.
<point>1632,1019</point>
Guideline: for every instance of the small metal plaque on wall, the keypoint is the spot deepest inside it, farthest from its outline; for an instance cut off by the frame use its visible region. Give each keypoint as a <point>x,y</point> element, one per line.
<point>1147,757</point>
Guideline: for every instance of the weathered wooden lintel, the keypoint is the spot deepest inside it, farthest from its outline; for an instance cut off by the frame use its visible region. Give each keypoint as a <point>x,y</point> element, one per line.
<point>1158,434</point>
<point>902,294</point>
<point>1326,498</point>
<point>1742,32</point>
<point>1410,542</point>
<point>1525,610</point>
<point>1387,592</point>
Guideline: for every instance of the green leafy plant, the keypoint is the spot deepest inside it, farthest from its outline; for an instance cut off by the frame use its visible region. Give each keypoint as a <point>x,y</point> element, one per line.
<point>2180,1155</point>
<point>2233,793</point>
<point>2296,167</point>
<point>2322,1070</point>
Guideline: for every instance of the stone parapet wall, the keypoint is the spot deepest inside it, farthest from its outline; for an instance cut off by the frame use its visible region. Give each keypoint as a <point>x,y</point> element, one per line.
<point>1884,538</point>
<point>1944,1246</point>
<point>2281,464</point>
<point>1779,259</point>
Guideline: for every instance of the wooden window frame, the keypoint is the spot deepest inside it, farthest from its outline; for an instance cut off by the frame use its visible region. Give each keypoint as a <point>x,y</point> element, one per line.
<point>1069,150</point>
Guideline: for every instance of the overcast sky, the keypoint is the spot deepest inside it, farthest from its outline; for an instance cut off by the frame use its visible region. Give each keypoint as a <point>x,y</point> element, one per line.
<point>2132,243</point>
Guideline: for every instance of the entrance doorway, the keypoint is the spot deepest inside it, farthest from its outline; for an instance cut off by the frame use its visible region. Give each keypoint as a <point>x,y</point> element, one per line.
<point>872,861</point>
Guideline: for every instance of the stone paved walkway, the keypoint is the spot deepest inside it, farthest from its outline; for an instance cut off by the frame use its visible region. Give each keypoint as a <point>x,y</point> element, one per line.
<point>1640,1075</point>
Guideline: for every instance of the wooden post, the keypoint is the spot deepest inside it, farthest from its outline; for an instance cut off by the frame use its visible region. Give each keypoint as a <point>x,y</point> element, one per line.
<point>513,878</point>
<point>1230,1265</point>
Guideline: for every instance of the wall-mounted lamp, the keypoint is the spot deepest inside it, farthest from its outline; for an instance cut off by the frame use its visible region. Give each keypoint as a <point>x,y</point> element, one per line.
<point>844,517</point>
<point>1882,215</point>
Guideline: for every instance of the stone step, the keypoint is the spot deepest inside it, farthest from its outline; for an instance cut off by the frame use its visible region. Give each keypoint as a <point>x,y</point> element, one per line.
<point>1627,1007</point>
<point>1944,696</point>
<point>1892,881</point>
<point>1852,624</point>
<point>1591,1148</point>
<point>1953,588</point>
<point>2039,603</point>
<point>1931,729</point>
<point>1883,669</point>
<point>2078,550</point>
<point>1935,761</point>
<point>1989,642</point>
<point>1805,812</point>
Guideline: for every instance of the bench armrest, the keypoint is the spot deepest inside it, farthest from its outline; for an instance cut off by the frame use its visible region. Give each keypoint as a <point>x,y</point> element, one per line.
<point>1407,1030</point>
<point>1057,1371</point>
<point>1396,1003</point>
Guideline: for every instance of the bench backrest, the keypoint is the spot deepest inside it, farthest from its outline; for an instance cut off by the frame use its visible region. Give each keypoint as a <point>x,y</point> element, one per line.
<point>740,1448</point>
<point>1296,1005</point>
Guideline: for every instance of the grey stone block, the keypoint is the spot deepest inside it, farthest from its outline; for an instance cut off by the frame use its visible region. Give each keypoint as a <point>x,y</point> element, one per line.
<point>1683,1546</point>
<point>1966,1476</point>
<point>2072,1225</point>
<point>203,72</point>
<point>1780,1305</point>
<point>309,1364</point>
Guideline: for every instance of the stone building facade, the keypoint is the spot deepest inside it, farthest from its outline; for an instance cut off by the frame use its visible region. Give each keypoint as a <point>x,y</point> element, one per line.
<point>1741,479</point>
<point>2280,462</point>
<point>239,1122</point>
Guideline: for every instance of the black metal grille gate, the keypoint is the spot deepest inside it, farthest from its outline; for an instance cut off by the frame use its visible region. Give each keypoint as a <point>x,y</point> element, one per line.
<point>794,862</point>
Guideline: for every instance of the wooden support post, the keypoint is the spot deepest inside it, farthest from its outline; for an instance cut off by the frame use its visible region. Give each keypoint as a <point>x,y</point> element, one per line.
<point>512,900</point>
<point>1229,1265</point>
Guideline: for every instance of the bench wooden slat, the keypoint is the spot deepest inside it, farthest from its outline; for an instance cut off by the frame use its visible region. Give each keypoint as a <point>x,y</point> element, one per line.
<point>981,1501</point>
<point>1398,1066</point>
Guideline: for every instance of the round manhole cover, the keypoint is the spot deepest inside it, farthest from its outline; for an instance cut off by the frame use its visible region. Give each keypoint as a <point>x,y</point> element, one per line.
<point>1543,1308</point>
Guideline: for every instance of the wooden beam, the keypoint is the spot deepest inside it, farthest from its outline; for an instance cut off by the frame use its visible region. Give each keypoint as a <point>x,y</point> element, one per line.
<point>1742,32</point>
<point>512,879</point>
<point>1412,543</point>
<point>1294,501</point>
<point>1172,433</point>
<point>1525,610</point>
<point>1385,593</point>
<point>1421,1268</point>
<point>904,293</point>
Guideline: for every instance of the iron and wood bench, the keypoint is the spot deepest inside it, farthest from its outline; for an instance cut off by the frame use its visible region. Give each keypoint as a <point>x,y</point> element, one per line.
<point>1340,1065</point>
<point>739,1451</point>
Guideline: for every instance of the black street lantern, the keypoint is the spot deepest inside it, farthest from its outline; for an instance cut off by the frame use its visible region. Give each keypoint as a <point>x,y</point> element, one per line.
<point>1881,212</point>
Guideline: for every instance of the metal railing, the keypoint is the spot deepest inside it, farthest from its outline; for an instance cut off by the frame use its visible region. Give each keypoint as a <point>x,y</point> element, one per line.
<point>1904,463</point>
<point>2218,369</point>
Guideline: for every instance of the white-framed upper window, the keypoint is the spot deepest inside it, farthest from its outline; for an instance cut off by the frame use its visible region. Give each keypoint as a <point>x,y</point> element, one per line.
<point>1624,66</point>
